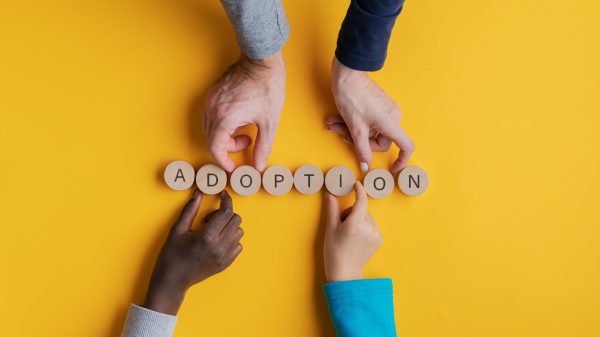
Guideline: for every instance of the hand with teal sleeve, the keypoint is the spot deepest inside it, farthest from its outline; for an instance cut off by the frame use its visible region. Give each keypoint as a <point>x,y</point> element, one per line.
<point>358,307</point>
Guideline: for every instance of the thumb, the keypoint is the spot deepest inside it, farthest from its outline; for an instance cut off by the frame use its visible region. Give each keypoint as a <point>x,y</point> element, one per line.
<point>333,210</point>
<point>186,218</point>
<point>264,145</point>
<point>360,137</point>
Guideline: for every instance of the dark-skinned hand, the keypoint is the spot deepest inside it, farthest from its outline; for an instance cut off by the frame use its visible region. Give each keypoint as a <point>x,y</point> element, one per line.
<point>188,257</point>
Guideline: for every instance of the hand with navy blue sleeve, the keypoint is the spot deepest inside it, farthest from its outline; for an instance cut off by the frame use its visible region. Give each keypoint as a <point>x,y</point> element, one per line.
<point>369,118</point>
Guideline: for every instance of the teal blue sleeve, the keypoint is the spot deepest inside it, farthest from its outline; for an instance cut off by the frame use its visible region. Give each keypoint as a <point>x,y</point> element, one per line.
<point>361,307</point>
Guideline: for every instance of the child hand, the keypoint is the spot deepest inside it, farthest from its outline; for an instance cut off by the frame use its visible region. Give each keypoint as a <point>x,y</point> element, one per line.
<point>189,257</point>
<point>351,238</point>
<point>370,119</point>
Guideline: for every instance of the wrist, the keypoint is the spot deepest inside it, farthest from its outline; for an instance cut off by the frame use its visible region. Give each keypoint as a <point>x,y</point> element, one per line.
<point>345,275</point>
<point>272,62</point>
<point>165,297</point>
<point>341,75</point>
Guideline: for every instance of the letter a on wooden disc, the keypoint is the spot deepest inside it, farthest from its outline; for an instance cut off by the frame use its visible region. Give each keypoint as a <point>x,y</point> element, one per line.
<point>245,180</point>
<point>211,179</point>
<point>339,180</point>
<point>379,183</point>
<point>308,179</point>
<point>179,175</point>
<point>277,180</point>
<point>413,180</point>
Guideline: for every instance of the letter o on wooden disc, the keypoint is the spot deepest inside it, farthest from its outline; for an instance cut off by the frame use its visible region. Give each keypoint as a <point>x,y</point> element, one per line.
<point>379,183</point>
<point>179,175</point>
<point>308,179</point>
<point>413,180</point>
<point>277,180</point>
<point>245,180</point>
<point>211,179</point>
<point>339,180</point>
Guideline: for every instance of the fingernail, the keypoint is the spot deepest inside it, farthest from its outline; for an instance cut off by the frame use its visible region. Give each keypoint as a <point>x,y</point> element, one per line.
<point>364,167</point>
<point>347,140</point>
<point>196,194</point>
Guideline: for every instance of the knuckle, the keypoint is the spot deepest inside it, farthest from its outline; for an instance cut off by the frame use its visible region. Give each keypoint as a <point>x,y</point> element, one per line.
<point>236,218</point>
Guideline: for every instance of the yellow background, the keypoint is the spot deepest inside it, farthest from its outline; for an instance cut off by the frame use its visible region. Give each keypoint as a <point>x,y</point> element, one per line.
<point>500,96</point>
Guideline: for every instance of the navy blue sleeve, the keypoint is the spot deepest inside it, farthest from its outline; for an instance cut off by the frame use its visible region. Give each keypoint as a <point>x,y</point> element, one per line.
<point>365,33</point>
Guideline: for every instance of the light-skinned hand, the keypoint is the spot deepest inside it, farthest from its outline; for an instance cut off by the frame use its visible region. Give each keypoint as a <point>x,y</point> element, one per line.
<point>370,119</point>
<point>351,238</point>
<point>188,257</point>
<point>249,92</point>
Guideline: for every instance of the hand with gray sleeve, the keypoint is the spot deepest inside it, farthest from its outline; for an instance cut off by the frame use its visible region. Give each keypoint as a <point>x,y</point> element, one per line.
<point>252,90</point>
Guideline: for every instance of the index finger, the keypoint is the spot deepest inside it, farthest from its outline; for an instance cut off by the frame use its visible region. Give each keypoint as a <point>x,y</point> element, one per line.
<point>361,205</point>
<point>404,143</point>
<point>217,146</point>
<point>220,218</point>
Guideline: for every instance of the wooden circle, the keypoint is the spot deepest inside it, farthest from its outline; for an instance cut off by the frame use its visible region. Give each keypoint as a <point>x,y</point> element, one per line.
<point>379,183</point>
<point>245,180</point>
<point>339,180</point>
<point>179,175</point>
<point>211,179</point>
<point>308,179</point>
<point>277,180</point>
<point>413,180</point>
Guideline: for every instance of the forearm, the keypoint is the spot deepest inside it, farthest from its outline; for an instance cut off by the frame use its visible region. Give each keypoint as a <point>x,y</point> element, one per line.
<point>362,307</point>
<point>365,33</point>
<point>261,26</point>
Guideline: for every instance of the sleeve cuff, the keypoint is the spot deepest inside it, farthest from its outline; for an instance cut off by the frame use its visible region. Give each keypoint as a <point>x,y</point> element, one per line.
<point>363,38</point>
<point>142,322</point>
<point>261,27</point>
<point>357,288</point>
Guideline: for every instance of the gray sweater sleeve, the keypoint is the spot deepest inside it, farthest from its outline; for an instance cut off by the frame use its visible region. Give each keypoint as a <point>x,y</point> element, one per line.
<point>142,322</point>
<point>261,26</point>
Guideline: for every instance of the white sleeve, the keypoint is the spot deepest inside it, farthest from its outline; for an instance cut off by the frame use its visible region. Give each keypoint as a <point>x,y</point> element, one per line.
<point>142,322</point>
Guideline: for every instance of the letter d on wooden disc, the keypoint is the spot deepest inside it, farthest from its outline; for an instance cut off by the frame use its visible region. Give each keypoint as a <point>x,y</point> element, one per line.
<point>379,183</point>
<point>179,175</point>
<point>277,180</point>
<point>245,180</point>
<point>413,180</point>
<point>339,180</point>
<point>211,179</point>
<point>308,179</point>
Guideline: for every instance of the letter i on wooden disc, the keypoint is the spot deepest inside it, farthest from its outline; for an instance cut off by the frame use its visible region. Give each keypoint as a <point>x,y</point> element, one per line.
<point>413,180</point>
<point>277,180</point>
<point>339,180</point>
<point>211,179</point>
<point>308,179</point>
<point>245,180</point>
<point>179,175</point>
<point>379,183</point>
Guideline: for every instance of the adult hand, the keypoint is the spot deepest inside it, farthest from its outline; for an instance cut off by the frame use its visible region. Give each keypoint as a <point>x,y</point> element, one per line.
<point>369,117</point>
<point>351,238</point>
<point>249,92</point>
<point>189,257</point>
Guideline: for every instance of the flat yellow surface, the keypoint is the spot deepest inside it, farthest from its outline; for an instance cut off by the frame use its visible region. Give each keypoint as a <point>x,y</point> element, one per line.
<point>502,98</point>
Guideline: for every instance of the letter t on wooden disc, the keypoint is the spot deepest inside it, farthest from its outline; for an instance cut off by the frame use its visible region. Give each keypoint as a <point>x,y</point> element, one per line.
<point>211,179</point>
<point>245,180</point>
<point>308,179</point>
<point>379,183</point>
<point>339,180</point>
<point>413,180</point>
<point>179,175</point>
<point>277,180</point>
